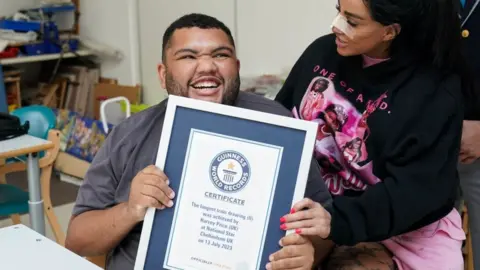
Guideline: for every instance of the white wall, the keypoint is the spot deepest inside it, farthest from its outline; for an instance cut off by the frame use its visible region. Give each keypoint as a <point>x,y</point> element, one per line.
<point>108,22</point>
<point>8,7</point>
<point>270,34</point>
<point>273,33</point>
<point>155,17</point>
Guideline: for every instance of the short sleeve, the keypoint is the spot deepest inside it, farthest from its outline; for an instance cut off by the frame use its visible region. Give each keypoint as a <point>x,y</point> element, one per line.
<point>97,191</point>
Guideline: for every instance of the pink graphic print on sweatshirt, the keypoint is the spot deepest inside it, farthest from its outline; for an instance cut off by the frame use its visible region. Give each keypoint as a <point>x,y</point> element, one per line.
<point>342,133</point>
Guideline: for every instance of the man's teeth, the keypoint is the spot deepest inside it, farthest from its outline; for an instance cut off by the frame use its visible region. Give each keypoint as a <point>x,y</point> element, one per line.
<point>206,85</point>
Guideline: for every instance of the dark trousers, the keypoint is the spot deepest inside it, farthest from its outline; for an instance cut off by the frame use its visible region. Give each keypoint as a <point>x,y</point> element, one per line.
<point>470,193</point>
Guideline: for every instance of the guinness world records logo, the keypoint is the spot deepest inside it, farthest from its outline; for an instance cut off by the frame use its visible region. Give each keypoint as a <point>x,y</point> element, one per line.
<point>229,171</point>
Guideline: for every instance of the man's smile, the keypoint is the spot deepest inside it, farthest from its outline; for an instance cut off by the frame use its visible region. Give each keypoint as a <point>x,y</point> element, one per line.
<point>206,86</point>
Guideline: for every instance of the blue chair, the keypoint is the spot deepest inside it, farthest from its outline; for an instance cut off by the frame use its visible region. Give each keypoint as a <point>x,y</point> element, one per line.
<point>41,120</point>
<point>14,201</point>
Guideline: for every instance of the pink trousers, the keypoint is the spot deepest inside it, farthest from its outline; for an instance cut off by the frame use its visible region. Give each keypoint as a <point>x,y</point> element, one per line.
<point>436,246</point>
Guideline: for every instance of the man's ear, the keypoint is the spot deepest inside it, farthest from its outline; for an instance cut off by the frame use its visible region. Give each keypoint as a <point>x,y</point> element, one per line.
<point>162,74</point>
<point>392,31</point>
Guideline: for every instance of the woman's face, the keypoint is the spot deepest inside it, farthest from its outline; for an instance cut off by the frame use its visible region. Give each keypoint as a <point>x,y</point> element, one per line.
<point>357,144</point>
<point>365,36</point>
<point>320,86</point>
<point>332,119</point>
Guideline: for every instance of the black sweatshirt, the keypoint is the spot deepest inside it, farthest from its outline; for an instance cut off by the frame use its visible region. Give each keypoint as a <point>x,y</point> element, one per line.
<point>388,139</point>
<point>472,54</point>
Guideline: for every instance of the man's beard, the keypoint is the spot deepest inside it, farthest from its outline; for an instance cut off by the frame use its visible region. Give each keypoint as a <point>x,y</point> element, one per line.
<point>230,91</point>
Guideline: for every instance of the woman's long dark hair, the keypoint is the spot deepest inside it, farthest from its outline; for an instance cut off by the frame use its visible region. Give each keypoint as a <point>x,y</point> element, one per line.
<point>432,29</point>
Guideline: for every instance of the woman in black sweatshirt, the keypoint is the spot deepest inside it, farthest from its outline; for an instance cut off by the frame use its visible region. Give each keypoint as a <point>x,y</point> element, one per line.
<point>387,90</point>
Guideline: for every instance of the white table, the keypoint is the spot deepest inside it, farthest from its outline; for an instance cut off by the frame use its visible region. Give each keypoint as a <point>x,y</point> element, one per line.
<point>30,146</point>
<point>24,249</point>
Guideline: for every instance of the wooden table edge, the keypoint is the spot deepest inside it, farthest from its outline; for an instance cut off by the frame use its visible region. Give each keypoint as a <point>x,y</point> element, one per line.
<point>27,150</point>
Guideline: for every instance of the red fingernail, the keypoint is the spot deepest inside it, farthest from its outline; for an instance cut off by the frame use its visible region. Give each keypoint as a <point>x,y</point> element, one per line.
<point>298,231</point>
<point>292,211</point>
<point>283,227</point>
<point>282,220</point>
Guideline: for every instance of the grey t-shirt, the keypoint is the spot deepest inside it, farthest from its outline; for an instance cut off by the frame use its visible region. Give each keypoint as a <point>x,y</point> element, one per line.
<point>130,147</point>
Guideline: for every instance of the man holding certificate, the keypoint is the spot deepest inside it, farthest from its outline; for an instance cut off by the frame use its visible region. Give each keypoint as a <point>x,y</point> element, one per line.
<point>199,62</point>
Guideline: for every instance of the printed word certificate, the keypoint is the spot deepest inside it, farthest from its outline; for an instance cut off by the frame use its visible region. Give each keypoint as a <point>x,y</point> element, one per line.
<point>235,173</point>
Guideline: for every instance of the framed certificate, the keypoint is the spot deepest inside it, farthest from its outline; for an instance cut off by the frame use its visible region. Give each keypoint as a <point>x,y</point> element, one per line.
<point>235,173</point>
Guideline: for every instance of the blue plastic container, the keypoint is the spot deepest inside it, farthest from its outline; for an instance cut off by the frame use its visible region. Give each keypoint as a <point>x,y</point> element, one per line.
<point>48,47</point>
<point>20,26</point>
<point>58,8</point>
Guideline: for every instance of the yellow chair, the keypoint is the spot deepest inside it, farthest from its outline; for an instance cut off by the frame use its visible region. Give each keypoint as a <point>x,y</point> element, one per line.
<point>98,260</point>
<point>467,251</point>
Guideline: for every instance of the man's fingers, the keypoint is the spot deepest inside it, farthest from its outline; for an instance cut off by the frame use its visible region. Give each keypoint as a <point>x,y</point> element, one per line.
<point>160,184</point>
<point>322,231</point>
<point>287,252</point>
<point>152,169</point>
<point>281,254</point>
<point>149,201</point>
<point>292,256</point>
<point>157,194</point>
<point>292,239</point>
<point>286,264</point>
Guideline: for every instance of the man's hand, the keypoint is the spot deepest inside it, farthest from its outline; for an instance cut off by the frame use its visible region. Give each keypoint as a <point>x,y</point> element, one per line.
<point>470,148</point>
<point>149,189</point>
<point>97,232</point>
<point>297,253</point>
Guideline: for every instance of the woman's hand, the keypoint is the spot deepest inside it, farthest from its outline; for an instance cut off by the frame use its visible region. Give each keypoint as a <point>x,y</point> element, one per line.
<point>308,218</point>
<point>297,253</point>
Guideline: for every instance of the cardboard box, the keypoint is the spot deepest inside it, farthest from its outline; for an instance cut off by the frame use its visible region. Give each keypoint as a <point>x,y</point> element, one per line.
<point>71,165</point>
<point>108,90</point>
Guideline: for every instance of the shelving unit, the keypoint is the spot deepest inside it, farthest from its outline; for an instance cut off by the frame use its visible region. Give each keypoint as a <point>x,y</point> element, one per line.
<point>43,57</point>
<point>40,58</point>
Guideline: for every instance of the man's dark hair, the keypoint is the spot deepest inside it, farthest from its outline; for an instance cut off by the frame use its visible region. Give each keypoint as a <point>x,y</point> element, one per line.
<point>194,20</point>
